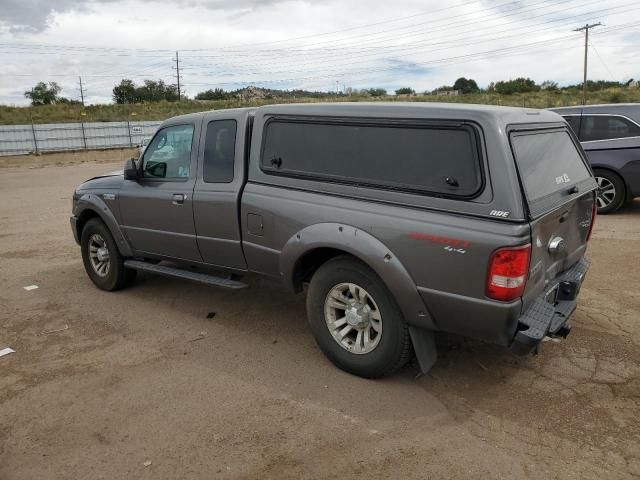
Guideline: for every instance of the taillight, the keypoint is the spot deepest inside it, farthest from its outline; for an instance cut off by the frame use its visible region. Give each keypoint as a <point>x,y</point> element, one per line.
<point>594,212</point>
<point>508,270</point>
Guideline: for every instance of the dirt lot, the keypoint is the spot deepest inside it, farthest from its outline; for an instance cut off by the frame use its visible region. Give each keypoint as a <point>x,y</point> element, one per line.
<point>134,379</point>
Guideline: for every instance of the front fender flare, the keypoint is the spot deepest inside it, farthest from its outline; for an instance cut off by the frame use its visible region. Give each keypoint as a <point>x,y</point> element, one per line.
<point>367,248</point>
<point>95,203</point>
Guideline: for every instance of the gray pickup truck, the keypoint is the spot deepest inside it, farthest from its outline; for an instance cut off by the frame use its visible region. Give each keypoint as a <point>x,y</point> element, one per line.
<point>399,220</point>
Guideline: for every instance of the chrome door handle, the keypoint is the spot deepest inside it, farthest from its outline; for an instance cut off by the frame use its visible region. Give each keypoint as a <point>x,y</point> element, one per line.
<point>178,198</point>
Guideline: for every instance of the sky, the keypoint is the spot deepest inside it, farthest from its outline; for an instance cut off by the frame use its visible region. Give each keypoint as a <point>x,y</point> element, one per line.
<point>328,45</point>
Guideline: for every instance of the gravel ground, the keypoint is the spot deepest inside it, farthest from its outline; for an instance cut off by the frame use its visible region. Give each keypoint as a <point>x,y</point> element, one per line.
<point>141,384</point>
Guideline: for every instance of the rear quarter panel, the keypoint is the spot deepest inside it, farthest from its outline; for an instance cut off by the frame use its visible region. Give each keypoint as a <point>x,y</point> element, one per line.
<point>446,256</point>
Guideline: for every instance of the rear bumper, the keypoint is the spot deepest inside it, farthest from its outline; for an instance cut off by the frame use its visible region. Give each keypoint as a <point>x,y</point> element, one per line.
<point>543,318</point>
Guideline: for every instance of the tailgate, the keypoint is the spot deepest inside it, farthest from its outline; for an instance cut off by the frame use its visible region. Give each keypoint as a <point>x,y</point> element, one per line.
<point>560,192</point>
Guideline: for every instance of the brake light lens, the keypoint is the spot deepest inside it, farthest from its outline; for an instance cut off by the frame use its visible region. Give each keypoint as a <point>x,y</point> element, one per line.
<point>594,212</point>
<point>508,271</point>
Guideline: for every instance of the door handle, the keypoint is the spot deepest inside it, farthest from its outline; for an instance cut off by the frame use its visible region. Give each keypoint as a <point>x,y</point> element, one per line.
<point>178,198</point>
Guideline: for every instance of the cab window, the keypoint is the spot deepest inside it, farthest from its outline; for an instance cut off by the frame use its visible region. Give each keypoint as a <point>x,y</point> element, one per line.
<point>168,156</point>
<point>219,151</point>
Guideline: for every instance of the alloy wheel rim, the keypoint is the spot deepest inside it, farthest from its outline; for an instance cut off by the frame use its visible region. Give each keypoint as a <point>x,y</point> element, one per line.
<point>606,192</point>
<point>353,318</point>
<point>99,255</point>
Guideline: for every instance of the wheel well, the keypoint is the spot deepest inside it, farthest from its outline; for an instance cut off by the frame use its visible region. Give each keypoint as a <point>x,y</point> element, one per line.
<point>613,172</point>
<point>84,217</point>
<point>308,263</point>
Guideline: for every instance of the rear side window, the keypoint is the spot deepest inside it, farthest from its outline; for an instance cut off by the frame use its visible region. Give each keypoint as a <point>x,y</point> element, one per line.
<point>219,151</point>
<point>548,162</point>
<point>607,127</point>
<point>427,159</point>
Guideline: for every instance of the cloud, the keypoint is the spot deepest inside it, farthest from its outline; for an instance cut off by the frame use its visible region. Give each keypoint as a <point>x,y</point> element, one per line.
<point>31,16</point>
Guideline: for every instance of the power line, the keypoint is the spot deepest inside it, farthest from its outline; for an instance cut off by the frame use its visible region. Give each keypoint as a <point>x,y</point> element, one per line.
<point>347,59</point>
<point>517,48</point>
<point>602,60</point>
<point>345,56</point>
<point>59,49</point>
<point>413,49</point>
<point>290,39</point>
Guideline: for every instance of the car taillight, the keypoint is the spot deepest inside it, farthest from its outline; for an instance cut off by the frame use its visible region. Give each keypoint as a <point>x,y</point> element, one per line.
<point>594,212</point>
<point>508,270</point>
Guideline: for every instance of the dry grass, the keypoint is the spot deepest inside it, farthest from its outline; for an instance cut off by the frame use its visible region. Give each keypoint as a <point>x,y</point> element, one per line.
<point>163,110</point>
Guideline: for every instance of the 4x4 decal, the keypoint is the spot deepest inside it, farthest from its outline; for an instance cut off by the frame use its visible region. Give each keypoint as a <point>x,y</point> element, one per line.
<point>450,244</point>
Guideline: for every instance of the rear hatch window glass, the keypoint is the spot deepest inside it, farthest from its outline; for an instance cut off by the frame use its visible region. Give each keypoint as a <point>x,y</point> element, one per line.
<point>548,163</point>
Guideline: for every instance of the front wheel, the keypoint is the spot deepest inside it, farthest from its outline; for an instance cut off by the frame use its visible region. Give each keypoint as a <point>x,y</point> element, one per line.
<point>102,260</point>
<point>355,319</point>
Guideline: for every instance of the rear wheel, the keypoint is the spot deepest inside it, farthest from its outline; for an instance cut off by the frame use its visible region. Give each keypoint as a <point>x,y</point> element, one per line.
<point>102,260</point>
<point>355,319</point>
<point>611,193</point>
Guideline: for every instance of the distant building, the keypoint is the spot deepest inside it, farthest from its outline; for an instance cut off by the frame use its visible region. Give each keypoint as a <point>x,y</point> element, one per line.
<point>446,93</point>
<point>633,84</point>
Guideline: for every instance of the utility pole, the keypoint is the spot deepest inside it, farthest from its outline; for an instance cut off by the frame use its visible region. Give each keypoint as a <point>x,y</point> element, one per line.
<point>81,91</point>
<point>586,50</point>
<point>178,73</point>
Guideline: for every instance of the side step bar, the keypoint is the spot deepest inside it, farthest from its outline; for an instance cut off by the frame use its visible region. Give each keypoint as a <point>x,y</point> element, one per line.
<point>184,274</point>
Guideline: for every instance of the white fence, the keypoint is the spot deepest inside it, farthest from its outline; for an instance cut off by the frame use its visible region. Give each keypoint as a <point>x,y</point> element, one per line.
<point>55,137</point>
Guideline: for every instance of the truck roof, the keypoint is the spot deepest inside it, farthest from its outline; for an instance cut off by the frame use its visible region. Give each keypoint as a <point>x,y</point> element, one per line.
<point>428,110</point>
<point>505,115</point>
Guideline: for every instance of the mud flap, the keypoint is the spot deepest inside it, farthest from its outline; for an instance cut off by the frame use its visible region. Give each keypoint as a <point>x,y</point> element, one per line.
<point>424,345</point>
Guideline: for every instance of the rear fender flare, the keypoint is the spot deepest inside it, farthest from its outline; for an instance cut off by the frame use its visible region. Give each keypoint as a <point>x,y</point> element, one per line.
<point>93,202</point>
<point>371,251</point>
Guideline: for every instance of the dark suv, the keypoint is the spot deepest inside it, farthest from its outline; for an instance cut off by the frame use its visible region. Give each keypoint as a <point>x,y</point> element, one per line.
<point>398,220</point>
<point>610,135</point>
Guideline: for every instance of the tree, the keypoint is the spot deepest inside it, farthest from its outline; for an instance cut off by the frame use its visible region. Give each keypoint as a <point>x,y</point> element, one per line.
<point>125,92</point>
<point>464,85</point>
<point>215,94</point>
<point>155,91</point>
<point>549,85</point>
<point>43,94</point>
<point>405,91</point>
<point>152,91</point>
<point>68,101</point>
<point>443,88</point>
<point>377,92</point>
<point>518,85</point>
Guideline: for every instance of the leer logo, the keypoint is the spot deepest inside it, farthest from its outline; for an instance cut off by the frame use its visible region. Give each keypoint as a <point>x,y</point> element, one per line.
<point>564,178</point>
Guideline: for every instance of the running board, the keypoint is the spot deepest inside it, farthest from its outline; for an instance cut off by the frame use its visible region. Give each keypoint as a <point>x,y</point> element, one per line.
<point>184,274</point>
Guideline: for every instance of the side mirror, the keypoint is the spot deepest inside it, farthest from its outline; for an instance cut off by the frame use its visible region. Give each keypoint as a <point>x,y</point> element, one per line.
<point>131,171</point>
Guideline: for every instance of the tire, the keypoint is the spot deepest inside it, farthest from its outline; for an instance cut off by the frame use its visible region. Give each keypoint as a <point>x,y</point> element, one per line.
<point>612,194</point>
<point>109,274</point>
<point>380,352</point>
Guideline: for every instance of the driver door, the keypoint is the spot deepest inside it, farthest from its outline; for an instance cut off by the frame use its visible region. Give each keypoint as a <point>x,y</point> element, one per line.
<point>157,208</point>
